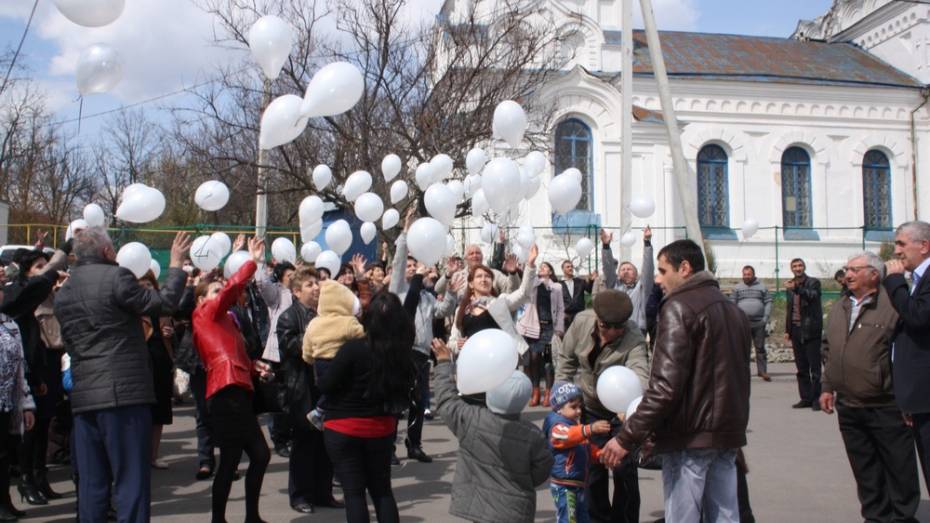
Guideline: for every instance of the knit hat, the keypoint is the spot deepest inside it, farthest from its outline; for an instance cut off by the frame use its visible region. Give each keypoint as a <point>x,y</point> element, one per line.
<point>613,306</point>
<point>562,393</point>
<point>511,396</point>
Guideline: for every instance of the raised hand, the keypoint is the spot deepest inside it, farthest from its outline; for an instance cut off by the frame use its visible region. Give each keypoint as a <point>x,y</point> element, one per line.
<point>647,234</point>
<point>606,237</point>
<point>179,248</point>
<point>358,264</point>
<point>408,218</point>
<point>458,282</point>
<point>257,249</point>
<point>534,253</point>
<point>510,263</point>
<point>239,243</point>
<point>441,350</point>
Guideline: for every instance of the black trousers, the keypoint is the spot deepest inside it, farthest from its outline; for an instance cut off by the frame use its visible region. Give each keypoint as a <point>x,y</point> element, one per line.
<point>309,470</point>
<point>6,448</point>
<point>623,507</point>
<point>364,464</point>
<point>808,360</point>
<point>880,448</point>
<point>205,450</point>
<point>921,433</point>
<point>416,416</point>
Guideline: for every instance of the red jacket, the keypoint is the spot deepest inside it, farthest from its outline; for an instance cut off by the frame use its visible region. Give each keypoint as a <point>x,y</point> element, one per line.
<point>218,339</point>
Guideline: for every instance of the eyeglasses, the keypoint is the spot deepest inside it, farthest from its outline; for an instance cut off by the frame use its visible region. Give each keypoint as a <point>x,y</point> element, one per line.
<point>857,268</point>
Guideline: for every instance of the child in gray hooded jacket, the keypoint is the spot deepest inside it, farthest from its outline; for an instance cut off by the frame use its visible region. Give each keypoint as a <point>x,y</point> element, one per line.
<point>502,458</point>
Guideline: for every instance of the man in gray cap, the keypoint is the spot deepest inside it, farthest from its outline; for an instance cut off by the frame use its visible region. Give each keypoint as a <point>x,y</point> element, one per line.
<point>598,339</point>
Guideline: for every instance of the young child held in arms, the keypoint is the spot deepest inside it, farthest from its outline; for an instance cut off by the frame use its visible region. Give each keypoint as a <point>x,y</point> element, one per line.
<point>502,458</point>
<point>335,324</point>
<point>568,440</point>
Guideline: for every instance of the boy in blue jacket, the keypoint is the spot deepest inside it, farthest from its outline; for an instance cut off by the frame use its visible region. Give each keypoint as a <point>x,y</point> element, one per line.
<point>570,446</point>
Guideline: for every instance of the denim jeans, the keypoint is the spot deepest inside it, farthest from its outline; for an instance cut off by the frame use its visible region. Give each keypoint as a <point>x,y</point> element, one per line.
<point>571,504</point>
<point>700,483</point>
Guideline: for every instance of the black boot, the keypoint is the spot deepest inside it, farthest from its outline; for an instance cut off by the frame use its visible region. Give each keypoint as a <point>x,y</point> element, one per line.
<point>44,487</point>
<point>28,491</point>
<point>6,515</point>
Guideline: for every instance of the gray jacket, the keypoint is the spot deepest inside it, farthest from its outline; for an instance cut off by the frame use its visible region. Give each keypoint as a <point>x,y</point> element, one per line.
<point>501,461</point>
<point>755,300</point>
<point>100,309</point>
<point>640,291</point>
<point>429,307</point>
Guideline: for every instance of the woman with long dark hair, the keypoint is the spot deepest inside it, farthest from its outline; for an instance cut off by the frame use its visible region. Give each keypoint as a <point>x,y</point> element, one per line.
<point>368,385</point>
<point>229,386</point>
<point>543,318</point>
<point>159,333</point>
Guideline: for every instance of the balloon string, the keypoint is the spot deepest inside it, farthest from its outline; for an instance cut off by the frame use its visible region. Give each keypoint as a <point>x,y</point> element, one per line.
<point>80,112</point>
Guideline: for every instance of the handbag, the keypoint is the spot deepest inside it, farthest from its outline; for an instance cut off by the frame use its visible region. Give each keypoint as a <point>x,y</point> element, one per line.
<point>269,396</point>
<point>182,382</point>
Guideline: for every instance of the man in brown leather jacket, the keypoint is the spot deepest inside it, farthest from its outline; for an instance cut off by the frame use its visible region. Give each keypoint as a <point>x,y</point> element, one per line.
<point>696,406</point>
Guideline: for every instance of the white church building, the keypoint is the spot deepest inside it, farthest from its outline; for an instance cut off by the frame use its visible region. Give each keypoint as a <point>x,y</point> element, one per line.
<point>822,137</point>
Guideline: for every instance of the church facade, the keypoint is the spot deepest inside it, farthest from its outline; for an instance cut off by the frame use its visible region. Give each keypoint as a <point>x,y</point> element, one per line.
<point>821,137</point>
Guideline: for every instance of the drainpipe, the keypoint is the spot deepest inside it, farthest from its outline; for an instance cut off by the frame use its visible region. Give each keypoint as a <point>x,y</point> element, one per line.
<point>925,92</point>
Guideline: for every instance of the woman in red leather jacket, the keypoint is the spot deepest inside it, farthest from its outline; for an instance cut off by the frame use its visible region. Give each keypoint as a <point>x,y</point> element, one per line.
<point>229,386</point>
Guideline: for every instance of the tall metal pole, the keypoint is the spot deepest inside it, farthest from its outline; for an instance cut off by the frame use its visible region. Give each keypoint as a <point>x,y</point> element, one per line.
<point>626,92</point>
<point>261,194</point>
<point>681,170</point>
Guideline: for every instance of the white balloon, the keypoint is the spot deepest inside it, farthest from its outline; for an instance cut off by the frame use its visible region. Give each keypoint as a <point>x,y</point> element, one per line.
<point>369,207</point>
<point>509,122</point>
<point>642,206</point>
<point>475,160</point>
<point>339,237</point>
<point>488,233</point>
<point>535,163</point>
<point>310,210</point>
<point>330,261</point>
<point>99,69</point>
<point>517,250</point>
<point>628,239</point>
<point>441,165</point>
<point>211,195</point>
<point>310,231</point>
<point>135,257</point>
<point>564,193</point>
<point>234,263</point>
<point>427,240</point>
<point>450,245</point>
<point>141,204</point>
<point>283,249</point>
<point>424,175</point>
<point>310,251</point>
<point>389,219</point>
<point>487,359</point>
<point>94,216</point>
<point>440,203</point>
<point>750,228</point>
<point>205,253</point>
<point>472,184</point>
<point>631,409</point>
<point>574,173</point>
<point>322,175</point>
<point>334,89</point>
<point>526,236</point>
<point>584,247</point>
<point>91,13</point>
<point>479,204</point>
<point>155,267</point>
<point>617,387</point>
<point>221,243</point>
<point>390,167</point>
<point>457,188</point>
<point>74,227</point>
<point>398,191</point>
<point>133,188</point>
<point>357,183</point>
<point>270,40</point>
<point>529,183</point>
<point>368,232</point>
<point>501,184</point>
<point>281,122</point>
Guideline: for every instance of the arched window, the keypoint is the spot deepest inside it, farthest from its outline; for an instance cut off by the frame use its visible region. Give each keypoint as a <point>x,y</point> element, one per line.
<point>876,190</point>
<point>574,147</point>
<point>713,193</point>
<point>796,188</point>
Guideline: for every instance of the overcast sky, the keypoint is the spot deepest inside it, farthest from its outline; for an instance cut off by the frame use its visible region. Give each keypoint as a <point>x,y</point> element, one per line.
<point>165,44</point>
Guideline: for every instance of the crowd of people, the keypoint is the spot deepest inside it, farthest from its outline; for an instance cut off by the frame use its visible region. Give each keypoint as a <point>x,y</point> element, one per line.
<point>90,355</point>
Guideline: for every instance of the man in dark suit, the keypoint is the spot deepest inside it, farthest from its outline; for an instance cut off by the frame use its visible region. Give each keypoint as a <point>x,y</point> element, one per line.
<point>573,291</point>
<point>910,353</point>
<point>803,328</point>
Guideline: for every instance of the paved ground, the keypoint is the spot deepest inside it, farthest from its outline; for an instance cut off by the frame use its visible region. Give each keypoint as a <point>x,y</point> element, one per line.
<point>798,473</point>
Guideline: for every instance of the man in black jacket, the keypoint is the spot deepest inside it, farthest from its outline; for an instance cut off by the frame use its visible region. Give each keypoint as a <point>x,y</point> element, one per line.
<point>803,328</point>
<point>310,472</point>
<point>100,309</point>
<point>573,291</point>
<point>910,351</point>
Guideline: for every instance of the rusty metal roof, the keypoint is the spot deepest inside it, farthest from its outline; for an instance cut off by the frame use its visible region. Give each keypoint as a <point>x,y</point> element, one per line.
<point>764,59</point>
